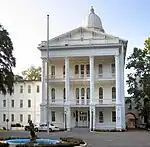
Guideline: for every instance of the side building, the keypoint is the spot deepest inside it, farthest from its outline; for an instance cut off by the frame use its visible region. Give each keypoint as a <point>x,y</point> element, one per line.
<point>22,105</point>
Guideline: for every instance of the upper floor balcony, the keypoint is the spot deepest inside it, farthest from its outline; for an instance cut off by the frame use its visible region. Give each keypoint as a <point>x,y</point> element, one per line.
<point>82,102</point>
<point>82,77</point>
<point>79,69</point>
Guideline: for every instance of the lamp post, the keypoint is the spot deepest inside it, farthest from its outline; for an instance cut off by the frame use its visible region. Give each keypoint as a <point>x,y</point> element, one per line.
<point>48,74</point>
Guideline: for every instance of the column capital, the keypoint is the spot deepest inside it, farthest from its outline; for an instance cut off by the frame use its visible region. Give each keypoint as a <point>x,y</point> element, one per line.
<point>44,59</point>
<point>91,56</point>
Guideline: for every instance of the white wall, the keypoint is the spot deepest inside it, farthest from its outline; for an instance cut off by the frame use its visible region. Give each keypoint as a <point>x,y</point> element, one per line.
<point>34,110</point>
<point>107,114</point>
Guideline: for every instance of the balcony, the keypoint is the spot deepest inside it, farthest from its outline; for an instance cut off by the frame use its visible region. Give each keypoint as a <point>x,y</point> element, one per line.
<point>82,77</point>
<point>82,102</point>
<point>104,102</point>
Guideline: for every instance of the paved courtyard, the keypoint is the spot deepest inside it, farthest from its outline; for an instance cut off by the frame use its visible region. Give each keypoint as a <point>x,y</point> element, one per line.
<point>106,139</point>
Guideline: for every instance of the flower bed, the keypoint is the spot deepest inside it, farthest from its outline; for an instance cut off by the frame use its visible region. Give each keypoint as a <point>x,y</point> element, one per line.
<point>65,142</point>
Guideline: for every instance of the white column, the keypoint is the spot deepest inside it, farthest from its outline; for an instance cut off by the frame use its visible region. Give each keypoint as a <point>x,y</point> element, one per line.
<point>92,93</point>
<point>122,95</point>
<point>118,98</point>
<point>67,88</point>
<point>43,82</point>
<point>67,83</point>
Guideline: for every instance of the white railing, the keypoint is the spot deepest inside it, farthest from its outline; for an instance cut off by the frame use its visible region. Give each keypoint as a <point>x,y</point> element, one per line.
<point>105,76</point>
<point>82,76</point>
<point>104,101</point>
<point>82,101</point>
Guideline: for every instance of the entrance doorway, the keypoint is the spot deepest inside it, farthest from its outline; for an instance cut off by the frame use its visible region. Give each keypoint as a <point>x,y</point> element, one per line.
<point>82,119</point>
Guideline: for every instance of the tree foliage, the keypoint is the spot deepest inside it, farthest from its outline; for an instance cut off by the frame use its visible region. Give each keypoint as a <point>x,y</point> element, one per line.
<point>139,78</point>
<point>32,73</point>
<point>7,62</point>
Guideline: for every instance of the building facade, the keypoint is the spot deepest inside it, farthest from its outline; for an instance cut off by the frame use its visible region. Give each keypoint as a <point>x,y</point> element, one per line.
<point>21,106</point>
<point>86,80</point>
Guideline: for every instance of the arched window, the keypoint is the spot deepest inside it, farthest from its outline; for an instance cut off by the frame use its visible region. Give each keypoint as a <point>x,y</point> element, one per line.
<point>77,69</point>
<point>100,70</point>
<point>100,93</point>
<point>53,94</point>
<point>77,93</point>
<point>64,70</point>
<point>88,93</point>
<point>113,68</point>
<point>64,92</point>
<point>82,95</point>
<point>113,93</point>
<point>53,71</point>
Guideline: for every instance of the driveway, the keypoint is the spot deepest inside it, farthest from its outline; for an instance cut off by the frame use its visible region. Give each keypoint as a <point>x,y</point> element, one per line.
<point>106,139</point>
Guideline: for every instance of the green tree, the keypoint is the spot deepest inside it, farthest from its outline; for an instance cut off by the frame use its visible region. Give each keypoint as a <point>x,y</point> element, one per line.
<point>32,73</point>
<point>139,79</point>
<point>7,62</point>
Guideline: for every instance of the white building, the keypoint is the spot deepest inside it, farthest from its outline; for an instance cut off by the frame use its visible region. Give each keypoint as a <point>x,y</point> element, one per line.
<point>86,78</point>
<point>23,105</point>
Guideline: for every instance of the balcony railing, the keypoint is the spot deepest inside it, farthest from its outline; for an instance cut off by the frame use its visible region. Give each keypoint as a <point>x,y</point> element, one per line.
<point>82,76</point>
<point>82,102</point>
<point>104,101</point>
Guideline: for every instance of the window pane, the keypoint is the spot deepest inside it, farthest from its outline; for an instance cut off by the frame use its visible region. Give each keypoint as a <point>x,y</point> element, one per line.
<point>29,88</point>
<point>100,69</point>
<point>76,69</point>
<point>4,103</point>
<point>88,93</point>
<point>4,117</point>
<point>29,103</point>
<point>53,115</point>
<point>21,103</point>
<point>113,93</point>
<point>101,120</point>
<point>113,68</point>
<point>77,93</point>
<point>38,88</point>
<point>100,93</point>
<point>113,116</point>
<point>29,117</point>
<point>12,117</point>
<point>12,103</point>
<point>87,69</point>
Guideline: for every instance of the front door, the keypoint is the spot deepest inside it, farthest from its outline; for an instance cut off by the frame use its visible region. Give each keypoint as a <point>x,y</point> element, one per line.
<point>83,119</point>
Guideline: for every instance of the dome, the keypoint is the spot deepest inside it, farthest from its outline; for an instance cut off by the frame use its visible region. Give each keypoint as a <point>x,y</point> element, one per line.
<point>93,21</point>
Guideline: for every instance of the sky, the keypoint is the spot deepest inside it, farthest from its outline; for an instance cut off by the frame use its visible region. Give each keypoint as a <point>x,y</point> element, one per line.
<point>25,20</point>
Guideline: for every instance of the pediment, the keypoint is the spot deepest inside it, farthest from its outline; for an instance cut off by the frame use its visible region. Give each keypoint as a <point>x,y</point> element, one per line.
<point>81,36</point>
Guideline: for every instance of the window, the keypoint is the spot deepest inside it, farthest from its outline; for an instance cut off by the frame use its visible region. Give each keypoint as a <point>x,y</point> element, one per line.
<point>12,117</point>
<point>77,95</point>
<point>88,69</point>
<point>12,103</point>
<point>38,89</point>
<point>21,117</point>
<point>113,116</point>
<point>53,94</point>
<point>21,103</point>
<point>29,117</point>
<point>29,103</point>
<point>4,103</point>
<point>82,95</point>
<point>100,70</point>
<point>64,70</point>
<point>53,71</point>
<point>101,95</point>
<point>88,93</point>
<point>101,117</point>
<point>53,115</point>
<point>82,70</point>
<point>21,89</point>
<point>29,88</point>
<point>77,69</point>
<point>113,93</point>
<point>4,117</point>
<point>113,68</point>
<point>64,92</point>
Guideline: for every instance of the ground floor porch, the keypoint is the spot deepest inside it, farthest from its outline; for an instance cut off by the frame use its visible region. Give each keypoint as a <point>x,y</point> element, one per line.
<point>81,117</point>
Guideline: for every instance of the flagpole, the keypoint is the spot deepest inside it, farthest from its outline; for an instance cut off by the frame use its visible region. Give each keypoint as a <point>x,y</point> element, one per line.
<point>48,74</point>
